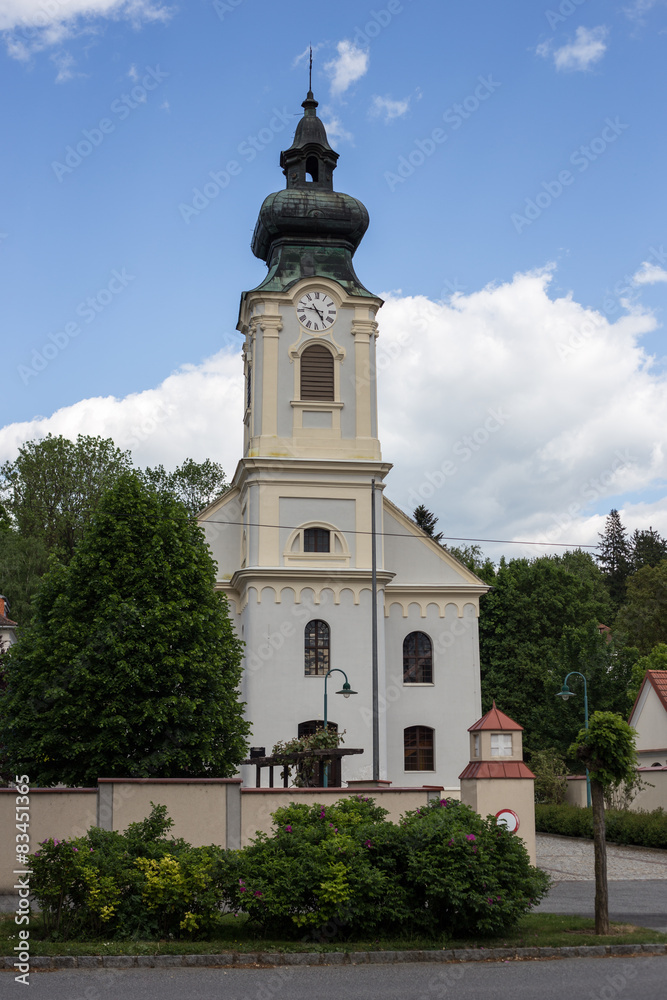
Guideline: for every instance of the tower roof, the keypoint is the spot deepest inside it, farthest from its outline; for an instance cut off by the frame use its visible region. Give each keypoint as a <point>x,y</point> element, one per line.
<point>309,229</point>
<point>496,720</point>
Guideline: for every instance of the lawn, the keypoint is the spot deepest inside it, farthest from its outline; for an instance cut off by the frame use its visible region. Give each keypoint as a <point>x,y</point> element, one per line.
<point>534,930</point>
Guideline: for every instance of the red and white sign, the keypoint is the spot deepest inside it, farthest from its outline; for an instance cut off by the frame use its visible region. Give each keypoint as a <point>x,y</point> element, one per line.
<point>508,818</point>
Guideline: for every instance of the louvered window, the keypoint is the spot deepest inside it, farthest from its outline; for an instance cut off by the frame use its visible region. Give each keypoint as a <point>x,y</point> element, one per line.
<point>317,373</point>
<point>418,748</point>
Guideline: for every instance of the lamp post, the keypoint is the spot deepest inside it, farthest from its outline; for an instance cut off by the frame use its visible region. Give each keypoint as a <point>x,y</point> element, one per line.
<point>346,691</point>
<point>565,694</point>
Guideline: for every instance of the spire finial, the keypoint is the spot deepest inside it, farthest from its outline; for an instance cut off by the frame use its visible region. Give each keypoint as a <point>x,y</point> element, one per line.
<point>310,71</point>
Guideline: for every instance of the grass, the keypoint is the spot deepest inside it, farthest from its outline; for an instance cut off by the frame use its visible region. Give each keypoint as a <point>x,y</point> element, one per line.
<point>535,930</point>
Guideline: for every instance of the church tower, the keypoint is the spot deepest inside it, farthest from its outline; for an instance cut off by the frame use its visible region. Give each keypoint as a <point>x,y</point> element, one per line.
<point>292,537</point>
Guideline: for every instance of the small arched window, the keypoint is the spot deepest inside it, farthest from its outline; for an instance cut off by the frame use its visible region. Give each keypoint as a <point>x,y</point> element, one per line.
<point>317,373</point>
<point>316,540</point>
<point>418,748</point>
<point>417,659</point>
<point>316,648</point>
<point>312,169</point>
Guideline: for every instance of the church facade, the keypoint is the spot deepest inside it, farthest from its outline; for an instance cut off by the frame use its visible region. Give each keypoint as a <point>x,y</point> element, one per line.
<point>293,536</point>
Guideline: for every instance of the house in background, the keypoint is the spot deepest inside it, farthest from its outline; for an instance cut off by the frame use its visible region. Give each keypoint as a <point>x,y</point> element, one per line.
<point>7,626</point>
<point>292,537</point>
<point>649,718</point>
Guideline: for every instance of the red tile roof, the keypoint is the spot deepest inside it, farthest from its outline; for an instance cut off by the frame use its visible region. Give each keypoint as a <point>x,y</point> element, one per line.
<point>495,719</point>
<point>496,769</point>
<point>6,622</point>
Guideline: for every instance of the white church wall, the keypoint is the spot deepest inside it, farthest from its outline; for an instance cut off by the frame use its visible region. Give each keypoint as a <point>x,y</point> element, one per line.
<point>413,560</point>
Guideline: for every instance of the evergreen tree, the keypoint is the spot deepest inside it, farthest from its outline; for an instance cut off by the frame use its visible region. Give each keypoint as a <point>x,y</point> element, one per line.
<point>648,549</point>
<point>427,522</point>
<point>130,667</point>
<point>614,556</point>
<point>643,617</point>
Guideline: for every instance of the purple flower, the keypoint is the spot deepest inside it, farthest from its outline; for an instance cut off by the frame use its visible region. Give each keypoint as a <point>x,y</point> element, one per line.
<point>471,837</point>
<point>368,844</point>
<point>489,900</point>
<point>444,802</point>
<point>258,893</point>
<point>76,849</point>
<point>288,828</point>
<point>241,888</point>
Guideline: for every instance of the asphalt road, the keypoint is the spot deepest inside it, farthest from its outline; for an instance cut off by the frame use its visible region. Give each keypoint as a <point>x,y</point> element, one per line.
<point>643,978</point>
<point>641,902</point>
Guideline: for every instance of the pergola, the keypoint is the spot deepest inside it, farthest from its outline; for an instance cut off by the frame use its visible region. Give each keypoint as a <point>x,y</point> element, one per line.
<point>285,759</point>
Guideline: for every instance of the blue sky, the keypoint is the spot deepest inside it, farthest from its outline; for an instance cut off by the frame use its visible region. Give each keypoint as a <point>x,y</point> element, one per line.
<point>512,158</point>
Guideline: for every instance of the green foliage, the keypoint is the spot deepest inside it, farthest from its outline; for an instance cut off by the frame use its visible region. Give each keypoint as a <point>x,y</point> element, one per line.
<point>643,616</point>
<point>615,556</point>
<point>538,623</point>
<point>607,749</point>
<point>426,521</point>
<point>648,548</point>
<point>195,484</point>
<point>135,884</point>
<point>307,769</point>
<point>131,665</point>
<point>23,561</point>
<point>54,485</point>
<point>643,829</point>
<point>549,769</point>
<point>473,557</point>
<point>443,869</point>
<point>655,660</point>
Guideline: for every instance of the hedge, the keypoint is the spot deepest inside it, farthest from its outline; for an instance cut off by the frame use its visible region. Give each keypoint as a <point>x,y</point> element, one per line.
<point>643,829</point>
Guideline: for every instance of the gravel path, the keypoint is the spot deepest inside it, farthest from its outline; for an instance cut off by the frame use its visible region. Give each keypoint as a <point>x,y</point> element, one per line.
<point>568,859</point>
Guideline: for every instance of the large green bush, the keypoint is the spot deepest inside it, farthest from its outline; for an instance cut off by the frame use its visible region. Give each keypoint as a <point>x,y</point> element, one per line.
<point>643,829</point>
<point>137,884</point>
<point>443,869</point>
<point>338,870</point>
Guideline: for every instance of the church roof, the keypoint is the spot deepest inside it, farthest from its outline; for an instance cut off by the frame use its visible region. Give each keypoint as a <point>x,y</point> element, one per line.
<point>495,719</point>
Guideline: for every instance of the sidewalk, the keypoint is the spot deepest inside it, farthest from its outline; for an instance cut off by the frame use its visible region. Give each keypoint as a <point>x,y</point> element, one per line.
<point>568,859</point>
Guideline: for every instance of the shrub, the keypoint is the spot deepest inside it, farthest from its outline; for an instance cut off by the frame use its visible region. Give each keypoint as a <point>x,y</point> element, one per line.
<point>643,829</point>
<point>443,869</point>
<point>135,884</point>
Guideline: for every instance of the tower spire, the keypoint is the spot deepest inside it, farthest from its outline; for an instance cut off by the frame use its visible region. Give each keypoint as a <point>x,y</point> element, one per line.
<point>310,72</point>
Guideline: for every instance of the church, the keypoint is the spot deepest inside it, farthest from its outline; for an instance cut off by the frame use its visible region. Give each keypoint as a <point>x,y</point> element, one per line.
<point>306,541</point>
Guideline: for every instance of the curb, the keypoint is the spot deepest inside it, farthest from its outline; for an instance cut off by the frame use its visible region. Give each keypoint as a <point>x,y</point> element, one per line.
<point>275,959</point>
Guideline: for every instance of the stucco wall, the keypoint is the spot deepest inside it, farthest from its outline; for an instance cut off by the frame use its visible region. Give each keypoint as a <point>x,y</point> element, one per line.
<point>650,720</point>
<point>54,812</point>
<point>490,795</point>
<point>653,796</point>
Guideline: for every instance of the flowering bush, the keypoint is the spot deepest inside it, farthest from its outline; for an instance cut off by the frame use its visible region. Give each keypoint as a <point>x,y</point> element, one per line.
<point>443,869</point>
<point>139,883</point>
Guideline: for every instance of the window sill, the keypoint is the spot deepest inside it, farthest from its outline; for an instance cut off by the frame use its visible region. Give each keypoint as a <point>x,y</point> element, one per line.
<point>418,684</point>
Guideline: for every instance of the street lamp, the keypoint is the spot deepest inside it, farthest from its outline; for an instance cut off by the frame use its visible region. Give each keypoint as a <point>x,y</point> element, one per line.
<point>565,694</point>
<point>346,691</point>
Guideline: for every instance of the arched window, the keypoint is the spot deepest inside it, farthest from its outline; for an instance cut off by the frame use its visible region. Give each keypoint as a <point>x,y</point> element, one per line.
<point>417,659</point>
<point>317,373</point>
<point>316,648</point>
<point>317,540</point>
<point>418,748</point>
<point>312,169</point>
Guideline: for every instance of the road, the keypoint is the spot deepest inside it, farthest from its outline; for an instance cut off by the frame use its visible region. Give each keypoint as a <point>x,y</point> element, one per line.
<point>643,978</point>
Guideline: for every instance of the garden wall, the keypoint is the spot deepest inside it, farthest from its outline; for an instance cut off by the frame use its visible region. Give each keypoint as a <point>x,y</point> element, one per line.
<point>205,811</point>
<point>650,798</point>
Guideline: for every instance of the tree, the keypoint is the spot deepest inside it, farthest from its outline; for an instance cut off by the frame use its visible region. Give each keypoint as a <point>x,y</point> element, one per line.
<point>195,484</point>
<point>23,561</point>
<point>473,557</point>
<point>648,548</point>
<point>607,749</point>
<point>538,623</point>
<point>614,556</point>
<point>427,522</point>
<point>130,666</point>
<point>655,660</point>
<point>54,485</point>
<point>644,615</point>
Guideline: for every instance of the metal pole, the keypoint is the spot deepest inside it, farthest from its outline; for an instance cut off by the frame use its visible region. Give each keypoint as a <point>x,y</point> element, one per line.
<point>374,642</point>
<point>325,780</point>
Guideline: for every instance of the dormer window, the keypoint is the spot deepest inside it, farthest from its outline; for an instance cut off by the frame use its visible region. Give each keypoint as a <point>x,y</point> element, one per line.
<point>316,540</point>
<point>501,744</point>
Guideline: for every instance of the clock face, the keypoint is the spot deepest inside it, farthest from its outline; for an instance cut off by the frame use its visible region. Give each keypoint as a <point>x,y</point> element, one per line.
<point>316,311</point>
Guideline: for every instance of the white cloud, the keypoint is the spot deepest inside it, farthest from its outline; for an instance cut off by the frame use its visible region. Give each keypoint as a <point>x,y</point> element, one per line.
<point>509,414</point>
<point>649,274</point>
<point>348,67</point>
<point>63,61</point>
<point>638,8</point>
<point>387,108</point>
<point>588,48</point>
<point>336,131</point>
<point>31,26</point>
